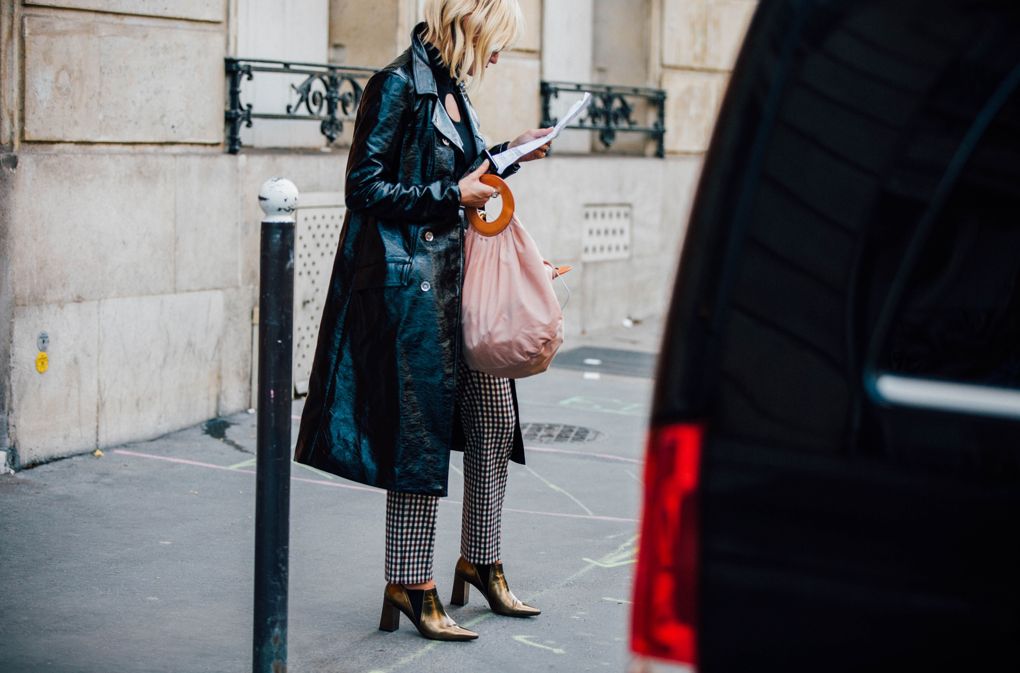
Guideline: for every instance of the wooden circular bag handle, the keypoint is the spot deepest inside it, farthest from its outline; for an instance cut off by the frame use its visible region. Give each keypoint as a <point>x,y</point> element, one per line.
<point>496,226</point>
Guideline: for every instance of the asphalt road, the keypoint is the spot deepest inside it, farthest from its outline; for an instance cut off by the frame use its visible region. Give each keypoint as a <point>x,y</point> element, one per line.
<point>141,560</point>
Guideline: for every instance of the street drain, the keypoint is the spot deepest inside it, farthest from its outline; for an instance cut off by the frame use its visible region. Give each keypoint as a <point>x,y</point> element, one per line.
<point>555,433</point>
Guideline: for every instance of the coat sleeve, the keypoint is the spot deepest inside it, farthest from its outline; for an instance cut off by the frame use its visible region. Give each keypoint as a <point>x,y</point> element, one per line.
<point>511,169</point>
<point>491,152</point>
<point>383,115</point>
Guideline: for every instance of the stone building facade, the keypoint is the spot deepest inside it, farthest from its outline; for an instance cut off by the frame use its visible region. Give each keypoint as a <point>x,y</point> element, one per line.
<point>129,235</point>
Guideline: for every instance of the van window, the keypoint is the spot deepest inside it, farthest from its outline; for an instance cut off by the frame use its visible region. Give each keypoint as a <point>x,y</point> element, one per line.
<point>959,317</point>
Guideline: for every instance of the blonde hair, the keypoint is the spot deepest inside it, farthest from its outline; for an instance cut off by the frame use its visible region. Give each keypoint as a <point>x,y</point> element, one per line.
<point>467,32</point>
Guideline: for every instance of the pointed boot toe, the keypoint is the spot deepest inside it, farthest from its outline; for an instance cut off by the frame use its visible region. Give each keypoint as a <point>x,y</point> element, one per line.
<point>432,622</point>
<point>491,582</point>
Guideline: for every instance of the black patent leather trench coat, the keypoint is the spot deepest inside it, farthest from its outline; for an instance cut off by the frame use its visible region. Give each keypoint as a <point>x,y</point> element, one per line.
<point>382,398</point>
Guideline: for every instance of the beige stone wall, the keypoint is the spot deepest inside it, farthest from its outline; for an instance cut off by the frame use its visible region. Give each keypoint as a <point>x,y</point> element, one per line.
<point>7,173</point>
<point>365,33</point>
<point>131,263</point>
<point>699,43</point>
<point>142,268</point>
<point>121,237</point>
<point>121,79</point>
<point>197,10</point>
<point>131,237</point>
<point>567,44</point>
<point>621,55</point>
<point>10,111</point>
<point>289,30</point>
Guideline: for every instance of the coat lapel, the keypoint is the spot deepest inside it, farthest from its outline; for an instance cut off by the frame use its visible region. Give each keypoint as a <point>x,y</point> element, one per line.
<point>442,122</point>
<point>425,84</point>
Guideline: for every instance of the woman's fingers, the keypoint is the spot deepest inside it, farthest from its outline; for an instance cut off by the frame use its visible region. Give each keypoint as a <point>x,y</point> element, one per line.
<point>480,171</point>
<point>473,192</point>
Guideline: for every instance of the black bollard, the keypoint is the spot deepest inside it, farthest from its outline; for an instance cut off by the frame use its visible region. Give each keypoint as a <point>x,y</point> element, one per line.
<point>278,198</point>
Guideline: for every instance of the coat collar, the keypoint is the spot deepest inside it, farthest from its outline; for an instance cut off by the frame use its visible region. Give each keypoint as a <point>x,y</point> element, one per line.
<point>421,70</point>
<point>425,83</point>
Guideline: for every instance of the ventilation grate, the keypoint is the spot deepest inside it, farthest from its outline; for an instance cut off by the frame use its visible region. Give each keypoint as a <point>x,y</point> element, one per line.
<point>557,433</point>
<point>320,217</point>
<point>606,232</point>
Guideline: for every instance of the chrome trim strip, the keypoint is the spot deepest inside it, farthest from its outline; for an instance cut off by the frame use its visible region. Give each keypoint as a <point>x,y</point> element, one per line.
<point>639,664</point>
<point>942,396</point>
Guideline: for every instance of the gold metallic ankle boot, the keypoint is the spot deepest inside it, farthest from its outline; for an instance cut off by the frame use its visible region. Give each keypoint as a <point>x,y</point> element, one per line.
<point>501,600</point>
<point>432,623</point>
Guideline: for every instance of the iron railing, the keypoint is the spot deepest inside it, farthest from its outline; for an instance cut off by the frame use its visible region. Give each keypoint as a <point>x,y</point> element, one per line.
<point>611,111</point>
<point>329,94</point>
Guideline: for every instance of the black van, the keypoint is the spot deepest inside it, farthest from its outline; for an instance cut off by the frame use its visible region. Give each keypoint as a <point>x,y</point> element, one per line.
<point>833,469</point>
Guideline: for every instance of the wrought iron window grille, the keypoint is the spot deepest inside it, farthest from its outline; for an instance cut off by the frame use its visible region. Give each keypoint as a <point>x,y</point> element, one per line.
<point>611,111</point>
<point>329,94</point>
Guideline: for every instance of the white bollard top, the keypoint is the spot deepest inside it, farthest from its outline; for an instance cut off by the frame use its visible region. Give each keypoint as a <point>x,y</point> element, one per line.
<point>278,199</point>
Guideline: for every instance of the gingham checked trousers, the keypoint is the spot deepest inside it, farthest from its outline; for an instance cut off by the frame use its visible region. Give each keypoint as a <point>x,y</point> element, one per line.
<point>487,414</point>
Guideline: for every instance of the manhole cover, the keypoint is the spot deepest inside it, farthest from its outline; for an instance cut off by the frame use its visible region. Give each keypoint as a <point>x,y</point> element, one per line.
<point>550,433</point>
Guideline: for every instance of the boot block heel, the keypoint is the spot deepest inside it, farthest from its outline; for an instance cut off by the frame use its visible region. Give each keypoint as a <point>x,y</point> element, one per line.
<point>390,619</point>
<point>461,591</point>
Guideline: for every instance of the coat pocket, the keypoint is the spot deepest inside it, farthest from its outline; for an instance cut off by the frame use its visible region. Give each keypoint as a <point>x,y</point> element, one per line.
<point>382,274</point>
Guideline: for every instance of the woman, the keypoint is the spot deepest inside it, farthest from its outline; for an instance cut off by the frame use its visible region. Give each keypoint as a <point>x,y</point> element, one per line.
<point>389,395</point>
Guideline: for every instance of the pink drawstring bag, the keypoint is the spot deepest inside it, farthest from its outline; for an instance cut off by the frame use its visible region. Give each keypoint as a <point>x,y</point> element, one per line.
<point>512,320</point>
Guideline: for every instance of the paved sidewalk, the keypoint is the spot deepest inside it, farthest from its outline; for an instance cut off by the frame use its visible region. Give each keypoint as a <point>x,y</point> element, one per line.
<point>141,560</point>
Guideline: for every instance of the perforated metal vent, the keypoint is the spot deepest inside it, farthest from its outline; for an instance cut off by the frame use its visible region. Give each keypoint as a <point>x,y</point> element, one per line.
<point>606,232</point>
<point>320,217</point>
<point>555,433</point>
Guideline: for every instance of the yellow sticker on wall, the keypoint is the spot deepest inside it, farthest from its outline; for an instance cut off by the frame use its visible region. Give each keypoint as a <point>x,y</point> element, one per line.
<point>42,362</point>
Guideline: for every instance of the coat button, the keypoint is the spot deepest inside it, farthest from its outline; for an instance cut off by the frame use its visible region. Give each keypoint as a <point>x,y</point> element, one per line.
<point>425,286</point>
<point>429,236</point>
<point>446,142</point>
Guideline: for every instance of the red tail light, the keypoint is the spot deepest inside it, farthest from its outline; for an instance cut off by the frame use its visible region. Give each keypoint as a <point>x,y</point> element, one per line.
<point>664,623</point>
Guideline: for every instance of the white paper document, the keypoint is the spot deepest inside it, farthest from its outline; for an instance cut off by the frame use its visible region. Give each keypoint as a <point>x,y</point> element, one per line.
<point>506,158</point>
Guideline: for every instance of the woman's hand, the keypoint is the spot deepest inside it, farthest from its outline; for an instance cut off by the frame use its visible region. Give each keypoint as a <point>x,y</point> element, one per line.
<point>473,192</point>
<point>527,137</point>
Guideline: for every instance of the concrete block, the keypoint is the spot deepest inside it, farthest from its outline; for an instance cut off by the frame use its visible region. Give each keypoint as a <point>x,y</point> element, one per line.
<point>726,25</point>
<point>684,33</point>
<point>159,364</point>
<point>54,413</point>
<point>567,50</point>
<point>567,40</point>
<point>508,101</point>
<point>196,10</point>
<point>621,52</point>
<point>236,351</point>
<point>10,76</point>
<point>91,226</point>
<point>530,38</point>
<point>292,30</point>
<point>103,80</point>
<point>365,33</point>
<point>207,252</point>
<point>680,182</point>
<point>692,103</point>
<point>606,293</point>
<point>8,168</point>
